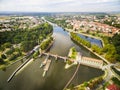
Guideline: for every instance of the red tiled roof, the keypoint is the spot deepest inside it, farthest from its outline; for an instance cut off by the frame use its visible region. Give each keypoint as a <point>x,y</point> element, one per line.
<point>113,87</point>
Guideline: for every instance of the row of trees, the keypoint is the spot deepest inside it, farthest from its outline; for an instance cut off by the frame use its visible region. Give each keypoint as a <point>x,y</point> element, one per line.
<point>93,83</point>
<point>44,45</point>
<point>73,53</point>
<point>111,23</point>
<point>111,50</point>
<point>116,42</point>
<point>116,81</point>
<point>80,40</point>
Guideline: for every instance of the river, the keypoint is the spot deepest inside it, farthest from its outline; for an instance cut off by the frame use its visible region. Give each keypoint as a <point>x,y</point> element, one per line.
<point>56,78</point>
<point>91,40</point>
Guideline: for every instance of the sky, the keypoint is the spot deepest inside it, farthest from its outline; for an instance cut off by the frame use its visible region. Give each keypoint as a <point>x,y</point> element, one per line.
<point>60,5</point>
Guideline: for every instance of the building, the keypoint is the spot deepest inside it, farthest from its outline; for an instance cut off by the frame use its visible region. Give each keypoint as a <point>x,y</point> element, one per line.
<point>113,87</point>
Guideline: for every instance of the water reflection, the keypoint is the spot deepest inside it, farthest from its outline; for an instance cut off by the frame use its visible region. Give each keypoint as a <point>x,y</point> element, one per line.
<point>91,40</point>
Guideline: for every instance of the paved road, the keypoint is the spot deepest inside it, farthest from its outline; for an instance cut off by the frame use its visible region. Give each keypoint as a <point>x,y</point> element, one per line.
<point>110,72</point>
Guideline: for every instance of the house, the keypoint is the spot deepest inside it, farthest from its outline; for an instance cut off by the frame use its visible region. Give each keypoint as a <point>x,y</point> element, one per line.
<point>113,87</point>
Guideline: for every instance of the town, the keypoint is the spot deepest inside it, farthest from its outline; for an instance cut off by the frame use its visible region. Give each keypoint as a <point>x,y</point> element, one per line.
<point>104,24</point>
<point>11,23</point>
<point>59,44</point>
<point>92,26</point>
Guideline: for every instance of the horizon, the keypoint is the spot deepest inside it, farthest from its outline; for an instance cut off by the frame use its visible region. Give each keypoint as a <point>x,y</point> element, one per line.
<point>10,12</point>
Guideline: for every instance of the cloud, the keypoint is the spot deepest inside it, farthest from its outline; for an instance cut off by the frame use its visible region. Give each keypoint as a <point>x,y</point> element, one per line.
<point>59,5</point>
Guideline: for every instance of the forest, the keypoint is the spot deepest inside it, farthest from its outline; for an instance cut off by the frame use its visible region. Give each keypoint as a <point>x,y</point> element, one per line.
<point>18,42</point>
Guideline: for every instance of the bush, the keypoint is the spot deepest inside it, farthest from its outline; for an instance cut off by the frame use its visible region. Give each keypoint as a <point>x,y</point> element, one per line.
<point>80,40</point>
<point>36,54</point>
<point>3,56</point>
<point>46,43</point>
<point>116,81</point>
<point>69,62</point>
<point>10,51</point>
<point>14,56</point>
<point>96,49</point>
<point>7,45</point>
<point>1,61</point>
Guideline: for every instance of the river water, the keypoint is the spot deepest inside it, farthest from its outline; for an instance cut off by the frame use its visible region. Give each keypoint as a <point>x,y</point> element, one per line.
<point>91,40</point>
<point>30,78</point>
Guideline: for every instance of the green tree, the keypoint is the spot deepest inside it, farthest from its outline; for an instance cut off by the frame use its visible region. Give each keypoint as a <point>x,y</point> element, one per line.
<point>7,45</point>
<point>12,57</point>
<point>70,26</point>
<point>97,49</point>
<point>111,58</point>
<point>10,51</point>
<point>116,43</point>
<point>36,54</point>
<point>86,84</point>
<point>46,43</point>
<point>1,61</point>
<point>3,56</point>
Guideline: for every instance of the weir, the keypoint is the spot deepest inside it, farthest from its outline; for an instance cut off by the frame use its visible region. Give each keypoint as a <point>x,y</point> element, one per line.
<point>95,63</point>
<point>47,66</point>
<point>87,61</point>
<point>72,77</point>
<point>14,73</point>
<point>56,56</point>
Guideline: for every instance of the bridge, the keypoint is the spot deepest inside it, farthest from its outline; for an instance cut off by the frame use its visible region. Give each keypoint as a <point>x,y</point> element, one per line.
<point>110,72</point>
<point>56,56</point>
<point>87,61</point>
<point>95,63</point>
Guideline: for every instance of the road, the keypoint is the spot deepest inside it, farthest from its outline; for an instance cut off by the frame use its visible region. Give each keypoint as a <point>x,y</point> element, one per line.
<point>110,72</point>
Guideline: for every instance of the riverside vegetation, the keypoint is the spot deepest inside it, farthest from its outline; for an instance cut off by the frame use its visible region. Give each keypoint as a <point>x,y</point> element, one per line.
<point>72,55</point>
<point>110,51</point>
<point>15,44</point>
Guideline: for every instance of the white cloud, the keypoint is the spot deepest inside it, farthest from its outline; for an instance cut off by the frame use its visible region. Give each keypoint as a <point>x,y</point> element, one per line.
<point>59,5</point>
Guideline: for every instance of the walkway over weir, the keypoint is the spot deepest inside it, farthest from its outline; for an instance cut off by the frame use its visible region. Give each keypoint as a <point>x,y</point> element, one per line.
<point>95,63</point>
<point>72,77</point>
<point>56,56</point>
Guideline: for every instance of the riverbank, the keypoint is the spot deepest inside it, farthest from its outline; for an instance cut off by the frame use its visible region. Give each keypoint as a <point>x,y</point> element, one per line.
<point>14,46</point>
<point>97,83</point>
<point>70,30</point>
<point>89,85</point>
<point>33,74</point>
<point>46,44</point>
<point>87,45</point>
<point>3,67</point>
<point>72,55</point>
<point>98,38</point>
<point>28,63</point>
<point>21,67</point>
<point>92,84</point>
